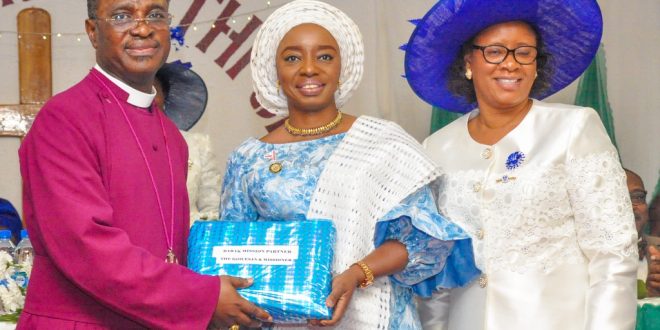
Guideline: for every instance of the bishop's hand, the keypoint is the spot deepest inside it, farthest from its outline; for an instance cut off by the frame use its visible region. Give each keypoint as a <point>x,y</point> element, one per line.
<point>233,309</point>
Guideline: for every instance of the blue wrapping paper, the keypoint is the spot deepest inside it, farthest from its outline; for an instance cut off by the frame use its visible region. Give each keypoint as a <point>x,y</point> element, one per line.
<point>290,262</point>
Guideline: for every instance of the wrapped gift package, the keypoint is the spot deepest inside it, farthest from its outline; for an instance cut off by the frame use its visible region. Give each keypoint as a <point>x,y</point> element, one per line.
<point>290,262</point>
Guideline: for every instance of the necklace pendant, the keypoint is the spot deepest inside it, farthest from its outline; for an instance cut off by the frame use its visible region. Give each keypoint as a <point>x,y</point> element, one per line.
<point>171,258</point>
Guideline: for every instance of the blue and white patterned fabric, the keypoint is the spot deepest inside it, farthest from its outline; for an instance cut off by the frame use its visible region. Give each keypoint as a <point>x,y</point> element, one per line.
<point>289,261</point>
<point>252,192</point>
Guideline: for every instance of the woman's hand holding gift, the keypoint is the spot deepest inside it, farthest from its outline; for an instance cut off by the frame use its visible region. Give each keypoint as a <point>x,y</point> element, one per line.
<point>389,258</point>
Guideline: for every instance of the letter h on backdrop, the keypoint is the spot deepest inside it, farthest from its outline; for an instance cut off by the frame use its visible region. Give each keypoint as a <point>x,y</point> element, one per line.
<point>237,38</point>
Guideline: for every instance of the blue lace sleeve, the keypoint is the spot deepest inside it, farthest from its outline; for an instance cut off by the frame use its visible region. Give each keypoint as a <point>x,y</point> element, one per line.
<point>432,262</point>
<point>235,202</point>
<point>426,255</point>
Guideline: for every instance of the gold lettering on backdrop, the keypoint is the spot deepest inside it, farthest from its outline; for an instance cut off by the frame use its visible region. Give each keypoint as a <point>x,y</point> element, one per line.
<point>238,38</point>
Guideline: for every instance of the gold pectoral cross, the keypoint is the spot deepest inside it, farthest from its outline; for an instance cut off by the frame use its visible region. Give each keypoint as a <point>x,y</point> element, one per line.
<point>171,258</point>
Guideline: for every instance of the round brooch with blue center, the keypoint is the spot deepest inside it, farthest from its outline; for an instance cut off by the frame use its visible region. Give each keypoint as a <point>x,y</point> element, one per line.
<point>514,160</point>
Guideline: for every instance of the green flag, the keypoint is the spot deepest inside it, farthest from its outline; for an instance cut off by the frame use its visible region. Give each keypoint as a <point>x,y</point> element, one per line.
<point>592,92</point>
<point>441,118</point>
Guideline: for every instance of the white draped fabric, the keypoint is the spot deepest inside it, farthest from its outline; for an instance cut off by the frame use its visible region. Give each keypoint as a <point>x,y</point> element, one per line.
<point>374,168</point>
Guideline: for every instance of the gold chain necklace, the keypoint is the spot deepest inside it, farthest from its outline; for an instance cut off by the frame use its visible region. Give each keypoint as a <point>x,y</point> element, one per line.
<point>313,131</point>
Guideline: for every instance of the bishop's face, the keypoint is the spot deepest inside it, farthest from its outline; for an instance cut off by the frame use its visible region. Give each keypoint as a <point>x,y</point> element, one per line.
<point>308,68</point>
<point>131,52</point>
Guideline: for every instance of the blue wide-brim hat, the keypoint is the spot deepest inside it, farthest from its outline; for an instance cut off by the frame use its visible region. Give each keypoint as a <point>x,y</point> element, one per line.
<point>570,31</point>
<point>187,95</point>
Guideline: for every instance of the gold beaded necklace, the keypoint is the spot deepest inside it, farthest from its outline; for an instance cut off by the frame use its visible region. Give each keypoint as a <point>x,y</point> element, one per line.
<point>313,131</point>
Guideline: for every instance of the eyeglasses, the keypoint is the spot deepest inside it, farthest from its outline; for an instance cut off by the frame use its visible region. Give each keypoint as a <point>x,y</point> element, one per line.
<point>123,22</point>
<point>638,197</point>
<point>496,54</point>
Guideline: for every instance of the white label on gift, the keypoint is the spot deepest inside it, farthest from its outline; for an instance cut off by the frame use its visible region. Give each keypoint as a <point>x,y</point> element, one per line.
<point>256,254</point>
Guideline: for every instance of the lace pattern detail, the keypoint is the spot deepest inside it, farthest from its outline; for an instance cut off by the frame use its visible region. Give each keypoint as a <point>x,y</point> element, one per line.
<point>351,192</point>
<point>549,216</point>
<point>426,256</point>
<point>458,202</point>
<point>203,180</point>
<point>601,204</point>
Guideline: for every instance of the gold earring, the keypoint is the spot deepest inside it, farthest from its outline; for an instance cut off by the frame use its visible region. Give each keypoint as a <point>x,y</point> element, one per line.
<point>278,87</point>
<point>339,87</point>
<point>468,74</point>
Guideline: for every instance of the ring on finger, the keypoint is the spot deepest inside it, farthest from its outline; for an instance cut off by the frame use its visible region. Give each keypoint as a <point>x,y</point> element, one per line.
<point>253,314</point>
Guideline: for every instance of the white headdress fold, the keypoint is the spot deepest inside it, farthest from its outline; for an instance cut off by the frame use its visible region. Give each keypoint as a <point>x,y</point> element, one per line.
<point>342,28</point>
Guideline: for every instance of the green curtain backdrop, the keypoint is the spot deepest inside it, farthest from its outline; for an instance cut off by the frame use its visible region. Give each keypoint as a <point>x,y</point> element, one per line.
<point>441,117</point>
<point>592,92</point>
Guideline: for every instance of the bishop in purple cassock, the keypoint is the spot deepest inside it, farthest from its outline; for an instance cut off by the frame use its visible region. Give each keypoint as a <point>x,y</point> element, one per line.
<point>95,221</point>
<point>104,195</point>
<point>105,202</point>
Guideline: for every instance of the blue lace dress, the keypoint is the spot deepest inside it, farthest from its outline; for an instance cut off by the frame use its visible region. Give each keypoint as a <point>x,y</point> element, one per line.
<point>251,192</point>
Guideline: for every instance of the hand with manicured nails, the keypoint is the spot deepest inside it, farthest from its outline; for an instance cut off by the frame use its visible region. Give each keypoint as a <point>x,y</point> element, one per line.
<point>389,258</point>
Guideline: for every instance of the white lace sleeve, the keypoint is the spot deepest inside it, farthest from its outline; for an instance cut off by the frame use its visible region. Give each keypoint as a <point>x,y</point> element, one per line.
<point>209,184</point>
<point>605,224</point>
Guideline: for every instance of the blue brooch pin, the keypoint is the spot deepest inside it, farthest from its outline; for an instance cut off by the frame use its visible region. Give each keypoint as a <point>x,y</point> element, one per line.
<point>514,160</point>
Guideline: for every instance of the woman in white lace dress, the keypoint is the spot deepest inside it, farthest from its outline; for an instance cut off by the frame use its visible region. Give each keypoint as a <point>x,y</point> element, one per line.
<point>538,186</point>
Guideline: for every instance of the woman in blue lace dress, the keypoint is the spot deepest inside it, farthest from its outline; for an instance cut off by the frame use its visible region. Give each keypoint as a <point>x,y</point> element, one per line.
<point>365,174</point>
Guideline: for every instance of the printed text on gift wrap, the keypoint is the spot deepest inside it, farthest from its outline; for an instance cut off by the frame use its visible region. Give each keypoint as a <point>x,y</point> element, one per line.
<point>256,254</point>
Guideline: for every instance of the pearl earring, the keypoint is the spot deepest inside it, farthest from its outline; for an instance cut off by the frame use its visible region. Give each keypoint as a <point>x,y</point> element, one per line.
<point>468,74</point>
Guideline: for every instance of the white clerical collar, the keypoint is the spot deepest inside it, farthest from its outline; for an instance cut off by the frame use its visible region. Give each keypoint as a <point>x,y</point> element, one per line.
<point>135,97</point>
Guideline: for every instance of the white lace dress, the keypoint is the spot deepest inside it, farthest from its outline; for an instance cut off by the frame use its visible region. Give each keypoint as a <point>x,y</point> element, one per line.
<point>203,179</point>
<point>552,225</point>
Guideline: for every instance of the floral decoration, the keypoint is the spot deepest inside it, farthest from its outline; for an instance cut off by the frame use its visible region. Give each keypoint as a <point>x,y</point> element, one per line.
<point>13,280</point>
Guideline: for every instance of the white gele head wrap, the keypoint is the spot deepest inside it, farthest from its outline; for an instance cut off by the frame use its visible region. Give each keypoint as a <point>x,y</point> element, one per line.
<point>342,28</point>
